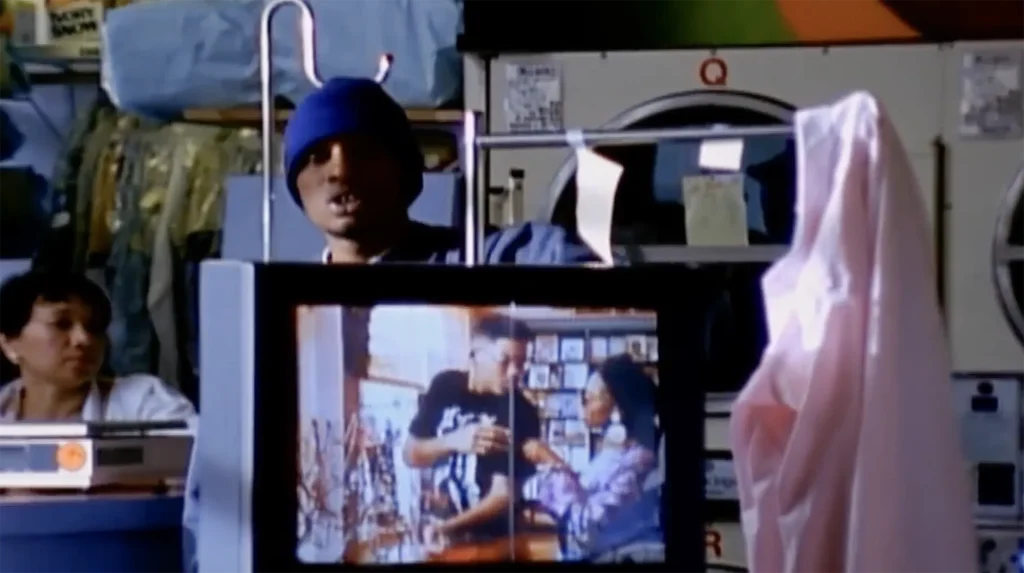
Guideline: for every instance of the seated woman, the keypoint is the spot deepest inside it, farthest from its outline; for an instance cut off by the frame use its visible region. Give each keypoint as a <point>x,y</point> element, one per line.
<point>606,505</point>
<point>53,328</point>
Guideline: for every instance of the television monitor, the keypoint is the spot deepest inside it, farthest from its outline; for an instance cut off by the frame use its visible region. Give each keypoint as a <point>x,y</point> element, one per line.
<point>359,417</point>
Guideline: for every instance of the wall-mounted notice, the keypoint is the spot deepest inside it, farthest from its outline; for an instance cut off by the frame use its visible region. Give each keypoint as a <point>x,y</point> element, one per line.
<point>75,21</point>
<point>991,99</point>
<point>533,97</point>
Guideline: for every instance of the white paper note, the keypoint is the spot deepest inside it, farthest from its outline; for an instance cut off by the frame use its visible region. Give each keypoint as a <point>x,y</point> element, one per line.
<point>716,212</point>
<point>597,179</point>
<point>723,154</point>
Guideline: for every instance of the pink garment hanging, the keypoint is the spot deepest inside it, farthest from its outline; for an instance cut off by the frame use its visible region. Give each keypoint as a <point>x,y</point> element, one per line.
<point>846,448</point>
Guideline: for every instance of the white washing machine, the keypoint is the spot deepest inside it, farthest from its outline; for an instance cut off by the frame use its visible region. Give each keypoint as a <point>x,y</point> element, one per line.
<point>980,173</point>
<point>985,296</point>
<point>920,85</point>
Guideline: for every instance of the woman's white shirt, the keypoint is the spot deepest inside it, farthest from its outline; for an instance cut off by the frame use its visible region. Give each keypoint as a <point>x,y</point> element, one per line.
<point>133,398</point>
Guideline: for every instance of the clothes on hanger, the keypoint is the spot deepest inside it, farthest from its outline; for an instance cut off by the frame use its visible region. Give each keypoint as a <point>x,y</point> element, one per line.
<point>143,201</point>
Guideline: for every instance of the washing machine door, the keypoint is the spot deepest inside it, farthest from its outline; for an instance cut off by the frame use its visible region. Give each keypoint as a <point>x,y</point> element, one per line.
<point>649,218</point>
<point>1008,256</point>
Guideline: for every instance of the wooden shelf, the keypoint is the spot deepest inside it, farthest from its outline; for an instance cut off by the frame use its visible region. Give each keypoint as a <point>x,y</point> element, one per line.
<point>251,116</point>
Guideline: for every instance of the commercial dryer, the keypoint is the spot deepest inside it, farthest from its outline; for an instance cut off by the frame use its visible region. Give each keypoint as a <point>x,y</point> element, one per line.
<point>922,86</point>
<point>701,88</point>
<point>981,168</point>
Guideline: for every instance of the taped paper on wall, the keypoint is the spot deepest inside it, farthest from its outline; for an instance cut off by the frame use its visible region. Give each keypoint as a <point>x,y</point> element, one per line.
<point>597,179</point>
<point>533,97</point>
<point>75,21</point>
<point>992,99</point>
<point>716,211</point>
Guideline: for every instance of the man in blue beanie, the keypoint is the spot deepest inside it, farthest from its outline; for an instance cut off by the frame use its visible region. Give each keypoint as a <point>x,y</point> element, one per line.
<point>354,166</point>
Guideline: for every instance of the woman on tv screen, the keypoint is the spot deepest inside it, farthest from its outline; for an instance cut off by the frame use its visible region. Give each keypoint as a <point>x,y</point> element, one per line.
<point>611,503</point>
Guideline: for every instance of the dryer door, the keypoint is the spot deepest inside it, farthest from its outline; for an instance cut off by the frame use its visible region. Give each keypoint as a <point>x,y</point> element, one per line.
<point>1008,256</point>
<point>649,217</point>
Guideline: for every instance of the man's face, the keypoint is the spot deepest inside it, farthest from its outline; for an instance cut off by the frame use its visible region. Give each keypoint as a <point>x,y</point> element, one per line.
<point>350,186</point>
<point>498,365</point>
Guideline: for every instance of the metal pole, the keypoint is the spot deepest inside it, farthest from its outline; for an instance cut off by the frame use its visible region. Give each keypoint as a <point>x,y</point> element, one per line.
<point>474,227</point>
<point>267,94</point>
<point>624,137</point>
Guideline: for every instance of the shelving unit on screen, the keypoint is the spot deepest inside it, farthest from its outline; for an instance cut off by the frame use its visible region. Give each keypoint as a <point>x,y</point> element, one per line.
<point>563,355</point>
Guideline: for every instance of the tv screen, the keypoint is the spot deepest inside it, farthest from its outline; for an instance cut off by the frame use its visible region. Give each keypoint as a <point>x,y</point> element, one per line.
<point>460,434</point>
<point>459,418</point>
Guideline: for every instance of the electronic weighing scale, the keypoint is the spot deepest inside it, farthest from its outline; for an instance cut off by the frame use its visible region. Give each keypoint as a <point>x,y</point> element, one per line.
<point>87,455</point>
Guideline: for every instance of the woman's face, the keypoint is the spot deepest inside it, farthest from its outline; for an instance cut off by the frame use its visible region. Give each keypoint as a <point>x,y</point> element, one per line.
<point>61,344</point>
<point>598,403</point>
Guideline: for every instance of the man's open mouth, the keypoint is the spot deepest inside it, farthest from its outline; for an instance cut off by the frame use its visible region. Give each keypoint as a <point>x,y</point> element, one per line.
<point>344,204</point>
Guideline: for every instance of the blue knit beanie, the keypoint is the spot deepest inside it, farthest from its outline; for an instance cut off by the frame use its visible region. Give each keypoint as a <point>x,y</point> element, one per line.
<point>352,106</point>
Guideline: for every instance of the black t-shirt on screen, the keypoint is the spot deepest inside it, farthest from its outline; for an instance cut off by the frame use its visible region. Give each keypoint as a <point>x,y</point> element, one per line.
<point>465,479</point>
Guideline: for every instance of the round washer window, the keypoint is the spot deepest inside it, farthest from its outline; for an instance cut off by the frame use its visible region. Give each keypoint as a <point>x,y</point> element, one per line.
<point>649,209</point>
<point>1008,256</point>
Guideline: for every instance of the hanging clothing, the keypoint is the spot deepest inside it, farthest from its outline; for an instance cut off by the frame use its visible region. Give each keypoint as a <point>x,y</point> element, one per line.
<point>846,448</point>
<point>135,398</point>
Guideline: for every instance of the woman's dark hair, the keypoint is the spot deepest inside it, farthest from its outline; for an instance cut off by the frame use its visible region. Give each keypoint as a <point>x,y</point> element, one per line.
<point>19,294</point>
<point>634,393</point>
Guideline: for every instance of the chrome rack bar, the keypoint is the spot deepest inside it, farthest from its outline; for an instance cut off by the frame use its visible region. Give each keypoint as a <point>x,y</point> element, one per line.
<point>625,137</point>
<point>306,29</point>
<point>475,194</point>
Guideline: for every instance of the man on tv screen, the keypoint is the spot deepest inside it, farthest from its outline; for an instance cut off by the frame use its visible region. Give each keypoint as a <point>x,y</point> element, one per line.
<point>352,162</point>
<point>465,429</point>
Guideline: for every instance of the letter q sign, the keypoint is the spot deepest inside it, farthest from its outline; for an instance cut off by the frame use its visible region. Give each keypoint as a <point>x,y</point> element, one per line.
<point>714,72</point>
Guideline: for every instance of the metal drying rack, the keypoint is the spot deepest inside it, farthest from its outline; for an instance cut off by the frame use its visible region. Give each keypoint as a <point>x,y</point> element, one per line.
<point>474,138</point>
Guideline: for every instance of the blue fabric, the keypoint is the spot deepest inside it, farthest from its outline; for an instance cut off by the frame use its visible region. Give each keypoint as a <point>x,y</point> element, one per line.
<point>10,138</point>
<point>527,244</point>
<point>202,54</point>
<point>347,106</point>
<point>127,271</point>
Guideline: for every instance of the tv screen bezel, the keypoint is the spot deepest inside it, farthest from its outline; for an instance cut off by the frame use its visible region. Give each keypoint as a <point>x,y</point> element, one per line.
<point>672,291</point>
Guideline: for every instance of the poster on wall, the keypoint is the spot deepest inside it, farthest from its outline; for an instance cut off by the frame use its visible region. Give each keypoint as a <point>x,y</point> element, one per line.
<point>533,97</point>
<point>991,99</point>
